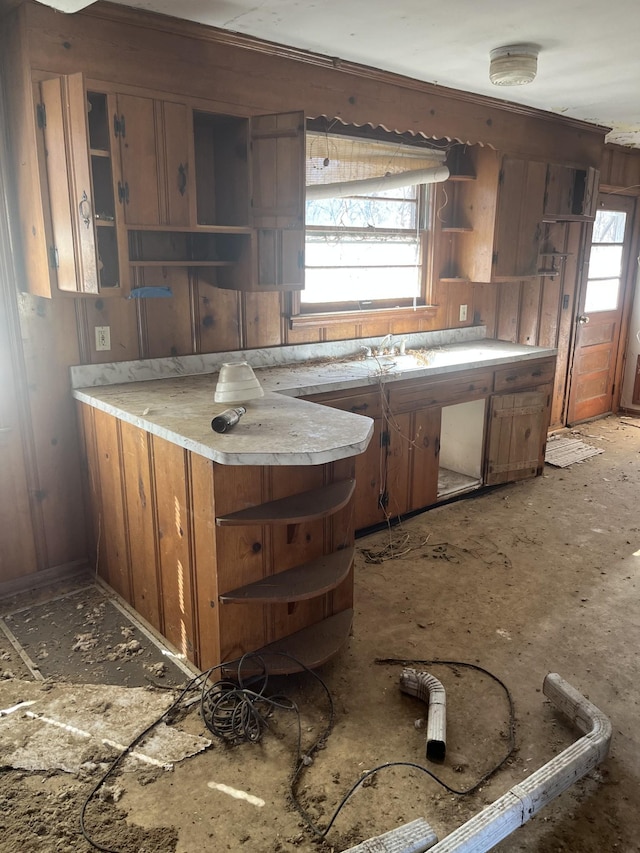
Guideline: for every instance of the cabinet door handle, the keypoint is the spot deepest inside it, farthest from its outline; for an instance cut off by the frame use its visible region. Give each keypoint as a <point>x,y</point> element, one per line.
<point>182,179</point>
<point>84,208</point>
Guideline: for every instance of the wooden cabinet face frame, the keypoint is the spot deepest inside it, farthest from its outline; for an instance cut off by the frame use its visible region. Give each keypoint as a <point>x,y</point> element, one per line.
<point>80,178</point>
<point>399,471</point>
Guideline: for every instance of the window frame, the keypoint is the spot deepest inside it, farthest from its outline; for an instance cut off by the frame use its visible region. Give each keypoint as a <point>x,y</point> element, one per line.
<point>329,313</point>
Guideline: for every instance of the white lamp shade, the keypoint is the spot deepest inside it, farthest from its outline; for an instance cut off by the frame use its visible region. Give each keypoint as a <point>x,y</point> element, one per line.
<point>237,383</point>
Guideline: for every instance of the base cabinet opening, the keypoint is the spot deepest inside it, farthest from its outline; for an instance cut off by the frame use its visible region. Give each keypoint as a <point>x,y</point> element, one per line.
<point>461,448</point>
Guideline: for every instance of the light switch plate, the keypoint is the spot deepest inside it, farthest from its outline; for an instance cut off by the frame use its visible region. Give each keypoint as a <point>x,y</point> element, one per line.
<point>103,338</point>
<point>463,313</point>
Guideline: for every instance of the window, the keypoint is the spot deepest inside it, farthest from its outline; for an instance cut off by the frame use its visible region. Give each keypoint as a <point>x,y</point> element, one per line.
<point>367,216</point>
<point>605,262</point>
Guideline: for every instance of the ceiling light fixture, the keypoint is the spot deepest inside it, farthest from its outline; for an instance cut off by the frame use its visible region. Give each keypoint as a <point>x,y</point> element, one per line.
<point>513,64</point>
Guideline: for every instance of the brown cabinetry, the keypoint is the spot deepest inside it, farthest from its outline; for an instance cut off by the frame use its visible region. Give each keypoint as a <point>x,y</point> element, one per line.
<point>438,438</point>
<point>153,140</point>
<point>137,183</point>
<point>222,559</point>
<point>517,435</point>
<point>85,252</point>
<point>490,216</point>
<point>370,470</point>
<point>570,194</point>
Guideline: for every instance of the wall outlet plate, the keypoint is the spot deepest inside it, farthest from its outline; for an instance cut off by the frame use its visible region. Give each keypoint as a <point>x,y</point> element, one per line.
<point>103,338</point>
<point>463,313</point>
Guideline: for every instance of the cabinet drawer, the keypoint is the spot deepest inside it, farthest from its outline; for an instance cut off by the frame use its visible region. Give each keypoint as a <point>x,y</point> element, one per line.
<point>525,375</point>
<point>420,393</point>
<point>360,403</point>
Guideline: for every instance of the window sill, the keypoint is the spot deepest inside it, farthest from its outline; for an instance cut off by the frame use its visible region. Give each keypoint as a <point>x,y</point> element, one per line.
<point>337,318</point>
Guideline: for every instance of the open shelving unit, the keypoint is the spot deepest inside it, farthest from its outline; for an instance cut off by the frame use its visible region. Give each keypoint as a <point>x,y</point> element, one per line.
<point>315,643</point>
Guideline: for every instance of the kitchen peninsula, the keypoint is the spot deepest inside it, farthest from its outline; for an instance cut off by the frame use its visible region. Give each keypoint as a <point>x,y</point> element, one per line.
<point>242,541</point>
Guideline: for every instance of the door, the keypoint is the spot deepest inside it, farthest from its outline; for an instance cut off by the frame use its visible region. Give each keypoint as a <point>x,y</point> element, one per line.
<point>600,309</point>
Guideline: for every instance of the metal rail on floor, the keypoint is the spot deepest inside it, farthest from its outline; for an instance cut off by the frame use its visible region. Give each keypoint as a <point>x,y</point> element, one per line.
<point>513,809</point>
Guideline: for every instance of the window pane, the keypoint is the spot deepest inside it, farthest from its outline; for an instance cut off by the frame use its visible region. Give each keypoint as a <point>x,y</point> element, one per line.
<point>361,212</point>
<point>360,285</point>
<point>601,295</point>
<point>609,226</point>
<point>605,261</point>
<point>349,252</point>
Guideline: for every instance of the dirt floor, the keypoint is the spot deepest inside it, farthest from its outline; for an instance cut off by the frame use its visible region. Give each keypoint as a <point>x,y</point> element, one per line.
<point>521,580</point>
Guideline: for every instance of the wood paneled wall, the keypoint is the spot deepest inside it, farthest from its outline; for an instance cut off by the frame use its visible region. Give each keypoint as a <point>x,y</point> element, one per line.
<point>127,47</point>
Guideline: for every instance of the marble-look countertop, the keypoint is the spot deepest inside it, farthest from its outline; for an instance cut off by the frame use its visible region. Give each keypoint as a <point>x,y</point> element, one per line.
<point>279,429</point>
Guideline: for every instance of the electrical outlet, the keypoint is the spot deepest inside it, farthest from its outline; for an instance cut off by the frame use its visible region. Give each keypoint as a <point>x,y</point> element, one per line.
<point>103,338</point>
<point>463,313</point>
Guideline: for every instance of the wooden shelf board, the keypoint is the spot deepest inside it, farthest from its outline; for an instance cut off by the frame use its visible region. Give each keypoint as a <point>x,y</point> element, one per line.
<point>453,279</point>
<point>298,584</point>
<point>100,152</point>
<point>182,263</point>
<point>456,229</point>
<point>462,178</point>
<point>104,223</point>
<point>195,229</point>
<point>567,217</point>
<point>312,646</point>
<point>295,509</point>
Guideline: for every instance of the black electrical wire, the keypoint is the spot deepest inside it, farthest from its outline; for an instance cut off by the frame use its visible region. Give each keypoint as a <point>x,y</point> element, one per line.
<point>246,721</point>
<point>321,833</point>
<point>230,710</point>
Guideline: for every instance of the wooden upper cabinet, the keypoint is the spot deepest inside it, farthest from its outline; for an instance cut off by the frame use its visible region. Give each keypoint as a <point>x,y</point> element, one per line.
<point>84,250</point>
<point>153,137</point>
<point>519,219</point>
<point>570,194</point>
<point>278,199</point>
<point>490,219</point>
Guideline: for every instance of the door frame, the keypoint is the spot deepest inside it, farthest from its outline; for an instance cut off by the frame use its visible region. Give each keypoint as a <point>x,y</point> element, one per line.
<point>627,292</point>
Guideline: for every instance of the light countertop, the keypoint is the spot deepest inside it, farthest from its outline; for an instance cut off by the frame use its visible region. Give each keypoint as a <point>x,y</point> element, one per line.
<point>279,429</point>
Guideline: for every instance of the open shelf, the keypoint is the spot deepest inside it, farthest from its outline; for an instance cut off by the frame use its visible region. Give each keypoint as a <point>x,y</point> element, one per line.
<point>295,509</point>
<point>312,646</point>
<point>303,582</point>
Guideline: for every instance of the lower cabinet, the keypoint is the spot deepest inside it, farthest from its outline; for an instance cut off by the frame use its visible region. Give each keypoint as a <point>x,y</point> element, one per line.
<point>222,560</point>
<point>516,443</point>
<point>435,439</point>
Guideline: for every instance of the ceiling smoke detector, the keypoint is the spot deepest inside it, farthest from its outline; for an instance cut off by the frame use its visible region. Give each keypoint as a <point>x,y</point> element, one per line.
<point>513,65</point>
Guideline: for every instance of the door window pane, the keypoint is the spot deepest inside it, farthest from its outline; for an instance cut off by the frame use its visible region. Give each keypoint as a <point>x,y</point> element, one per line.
<point>602,295</point>
<point>605,261</point>
<point>609,226</point>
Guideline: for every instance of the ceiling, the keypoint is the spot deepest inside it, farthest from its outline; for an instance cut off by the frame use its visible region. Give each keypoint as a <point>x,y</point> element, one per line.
<point>588,65</point>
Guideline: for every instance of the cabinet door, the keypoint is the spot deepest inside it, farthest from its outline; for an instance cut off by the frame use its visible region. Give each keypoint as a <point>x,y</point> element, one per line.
<point>153,137</point>
<point>517,438</point>
<point>370,464</point>
<point>519,219</point>
<point>69,182</point>
<point>570,194</point>
<point>412,463</point>
<point>278,199</point>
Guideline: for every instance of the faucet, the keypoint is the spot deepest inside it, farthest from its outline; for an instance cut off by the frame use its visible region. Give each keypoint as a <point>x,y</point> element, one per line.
<point>386,343</point>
